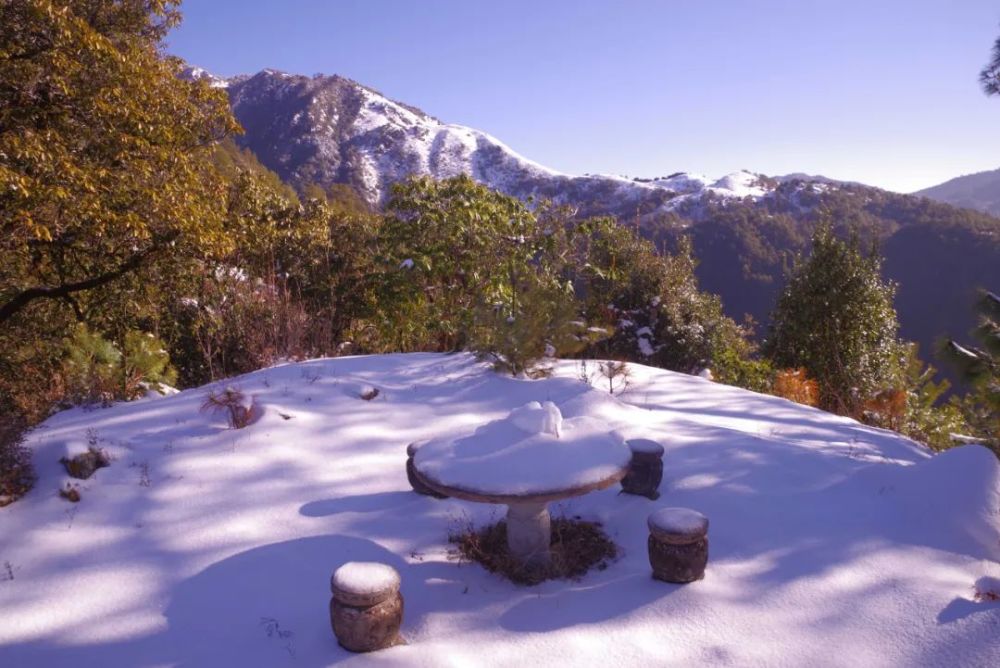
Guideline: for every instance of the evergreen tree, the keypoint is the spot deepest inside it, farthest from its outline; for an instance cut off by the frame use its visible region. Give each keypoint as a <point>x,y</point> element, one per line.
<point>980,367</point>
<point>835,319</point>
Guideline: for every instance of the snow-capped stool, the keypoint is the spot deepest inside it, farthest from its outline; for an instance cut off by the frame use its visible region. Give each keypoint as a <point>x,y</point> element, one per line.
<point>366,610</point>
<point>418,485</point>
<point>645,469</point>
<point>678,544</point>
<point>526,460</point>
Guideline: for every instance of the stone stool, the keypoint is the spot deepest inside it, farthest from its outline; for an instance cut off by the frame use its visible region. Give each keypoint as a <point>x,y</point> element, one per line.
<point>418,485</point>
<point>366,610</point>
<point>678,544</point>
<point>645,469</point>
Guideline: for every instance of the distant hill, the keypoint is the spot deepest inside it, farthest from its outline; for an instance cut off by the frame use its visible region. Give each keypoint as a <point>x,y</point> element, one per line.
<point>746,227</point>
<point>980,191</point>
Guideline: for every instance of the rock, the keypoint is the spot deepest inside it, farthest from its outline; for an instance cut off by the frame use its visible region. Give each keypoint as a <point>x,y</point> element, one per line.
<point>84,465</point>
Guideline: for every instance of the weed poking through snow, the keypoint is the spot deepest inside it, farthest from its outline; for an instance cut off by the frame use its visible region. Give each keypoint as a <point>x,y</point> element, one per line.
<point>237,406</point>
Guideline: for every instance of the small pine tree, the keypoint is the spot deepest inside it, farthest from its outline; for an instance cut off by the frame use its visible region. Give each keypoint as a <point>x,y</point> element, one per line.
<point>535,322</point>
<point>980,367</point>
<point>835,319</point>
<point>91,367</point>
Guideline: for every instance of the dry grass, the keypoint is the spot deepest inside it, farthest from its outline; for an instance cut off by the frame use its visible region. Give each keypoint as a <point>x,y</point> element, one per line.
<point>795,385</point>
<point>577,546</point>
<point>233,403</point>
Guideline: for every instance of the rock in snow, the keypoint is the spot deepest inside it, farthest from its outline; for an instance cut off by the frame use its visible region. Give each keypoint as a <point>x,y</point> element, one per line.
<point>832,543</point>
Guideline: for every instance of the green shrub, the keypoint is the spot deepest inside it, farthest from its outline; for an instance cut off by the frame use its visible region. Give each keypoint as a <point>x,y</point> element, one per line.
<point>95,370</point>
<point>835,319</point>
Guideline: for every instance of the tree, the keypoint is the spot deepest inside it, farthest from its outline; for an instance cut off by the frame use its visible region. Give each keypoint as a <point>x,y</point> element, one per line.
<point>447,247</point>
<point>989,76</point>
<point>104,152</point>
<point>835,319</point>
<point>980,366</point>
<point>106,176</point>
<point>658,313</point>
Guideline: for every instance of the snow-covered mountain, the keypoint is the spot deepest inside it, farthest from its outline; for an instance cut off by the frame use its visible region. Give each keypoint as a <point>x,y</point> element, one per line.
<point>329,129</point>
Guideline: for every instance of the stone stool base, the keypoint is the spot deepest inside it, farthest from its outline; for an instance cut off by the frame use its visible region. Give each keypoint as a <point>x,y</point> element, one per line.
<point>678,563</point>
<point>367,629</point>
<point>645,472</point>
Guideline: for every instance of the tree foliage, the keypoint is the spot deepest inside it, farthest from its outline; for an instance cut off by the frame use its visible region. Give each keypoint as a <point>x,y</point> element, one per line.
<point>106,176</point>
<point>653,302</point>
<point>835,319</point>
<point>980,366</point>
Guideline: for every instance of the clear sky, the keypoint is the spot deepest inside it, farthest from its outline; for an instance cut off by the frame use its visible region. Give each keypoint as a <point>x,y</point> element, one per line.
<point>879,91</point>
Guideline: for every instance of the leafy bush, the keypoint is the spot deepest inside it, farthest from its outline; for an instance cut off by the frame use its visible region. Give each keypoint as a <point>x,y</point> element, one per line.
<point>660,316</point>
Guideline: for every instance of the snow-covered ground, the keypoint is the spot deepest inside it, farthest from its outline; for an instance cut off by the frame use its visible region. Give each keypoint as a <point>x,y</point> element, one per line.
<point>831,543</point>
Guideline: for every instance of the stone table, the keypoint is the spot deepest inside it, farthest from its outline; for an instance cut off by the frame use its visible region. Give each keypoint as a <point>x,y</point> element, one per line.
<point>525,461</point>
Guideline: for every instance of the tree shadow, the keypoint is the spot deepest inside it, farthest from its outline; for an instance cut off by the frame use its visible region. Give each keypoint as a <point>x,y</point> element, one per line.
<point>361,503</point>
<point>268,604</point>
<point>581,604</point>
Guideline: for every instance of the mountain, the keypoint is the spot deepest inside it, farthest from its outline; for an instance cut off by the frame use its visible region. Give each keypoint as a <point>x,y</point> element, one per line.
<point>746,227</point>
<point>980,191</point>
<point>329,129</point>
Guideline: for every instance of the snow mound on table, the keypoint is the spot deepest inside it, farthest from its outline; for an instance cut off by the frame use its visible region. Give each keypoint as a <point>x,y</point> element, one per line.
<point>531,451</point>
<point>536,418</point>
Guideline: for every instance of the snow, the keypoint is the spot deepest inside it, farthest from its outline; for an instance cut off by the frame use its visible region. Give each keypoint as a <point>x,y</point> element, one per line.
<point>645,446</point>
<point>535,418</point>
<point>682,521</point>
<point>365,578</point>
<point>645,347</point>
<point>965,352</point>
<point>831,544</point>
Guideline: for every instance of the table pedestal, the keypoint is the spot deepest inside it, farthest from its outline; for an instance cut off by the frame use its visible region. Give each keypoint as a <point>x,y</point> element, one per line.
<point>529,532</point>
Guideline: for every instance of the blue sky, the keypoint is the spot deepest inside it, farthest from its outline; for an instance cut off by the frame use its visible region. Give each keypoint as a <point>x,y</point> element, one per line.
<point>884,92</point>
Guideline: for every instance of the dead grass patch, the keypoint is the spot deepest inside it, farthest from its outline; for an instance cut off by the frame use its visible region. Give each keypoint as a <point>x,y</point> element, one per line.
<point>577,546</point>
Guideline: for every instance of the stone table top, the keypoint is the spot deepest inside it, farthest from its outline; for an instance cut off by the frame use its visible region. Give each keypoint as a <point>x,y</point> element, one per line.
<point>531,456</point>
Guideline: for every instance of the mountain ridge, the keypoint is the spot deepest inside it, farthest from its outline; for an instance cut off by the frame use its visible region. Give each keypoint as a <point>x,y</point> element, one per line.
<point>979,191</point>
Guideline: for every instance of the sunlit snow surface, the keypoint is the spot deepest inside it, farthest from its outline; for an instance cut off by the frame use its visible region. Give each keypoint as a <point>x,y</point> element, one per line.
<point>831,543</point>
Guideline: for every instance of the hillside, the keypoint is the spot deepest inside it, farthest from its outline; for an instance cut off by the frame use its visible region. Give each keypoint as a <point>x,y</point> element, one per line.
<point>980,191</point>
<point>205,546</point>
<point>746,227</point>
